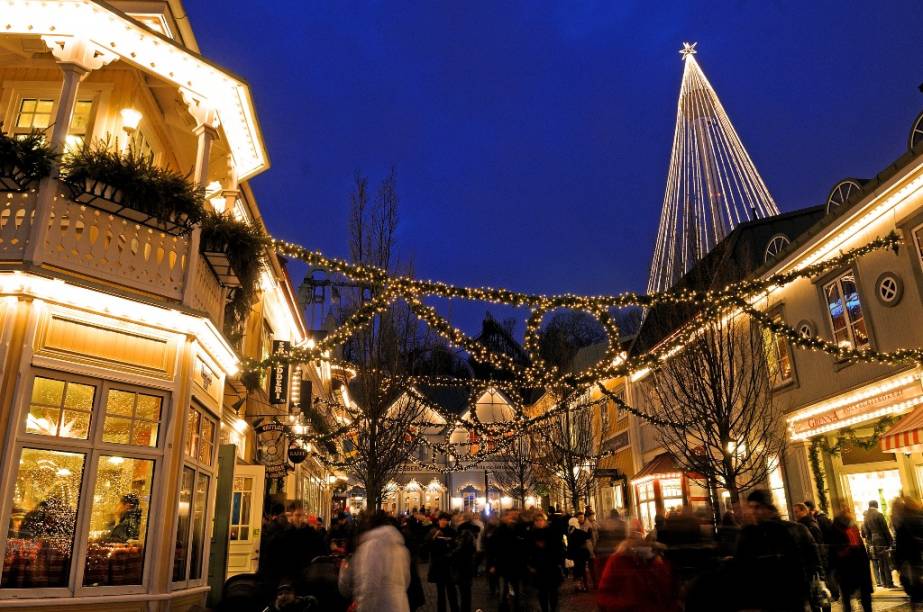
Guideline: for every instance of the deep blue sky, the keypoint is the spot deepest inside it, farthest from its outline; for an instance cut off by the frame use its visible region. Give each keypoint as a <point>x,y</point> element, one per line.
<point>531,139</point>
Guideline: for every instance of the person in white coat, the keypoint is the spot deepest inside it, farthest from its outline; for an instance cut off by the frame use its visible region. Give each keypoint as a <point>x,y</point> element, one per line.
<point>378,575</point>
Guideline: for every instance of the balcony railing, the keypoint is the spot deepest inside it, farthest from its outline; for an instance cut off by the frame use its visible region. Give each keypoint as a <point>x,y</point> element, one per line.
<point>115,250</point>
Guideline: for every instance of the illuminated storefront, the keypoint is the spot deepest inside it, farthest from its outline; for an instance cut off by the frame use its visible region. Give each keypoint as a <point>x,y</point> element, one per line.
<point>873,431</point>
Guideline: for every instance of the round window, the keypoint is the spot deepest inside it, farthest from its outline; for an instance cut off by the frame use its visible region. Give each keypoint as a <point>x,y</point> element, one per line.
<point>806,329</point>
<point>889,289</point>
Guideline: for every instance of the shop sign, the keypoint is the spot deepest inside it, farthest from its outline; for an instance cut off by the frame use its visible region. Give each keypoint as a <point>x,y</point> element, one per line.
<point>280,470</point>
<point>278,374</point>
<point>847,411</point>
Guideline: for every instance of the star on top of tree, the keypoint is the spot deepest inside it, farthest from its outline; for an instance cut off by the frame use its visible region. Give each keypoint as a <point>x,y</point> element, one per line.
<point>688,49</point>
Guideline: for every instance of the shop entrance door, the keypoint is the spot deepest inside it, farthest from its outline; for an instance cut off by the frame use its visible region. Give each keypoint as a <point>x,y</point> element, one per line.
<point>882,486</point>
<point>246,519</point>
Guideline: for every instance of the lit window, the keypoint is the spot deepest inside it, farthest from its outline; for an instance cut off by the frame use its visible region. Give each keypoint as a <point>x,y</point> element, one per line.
<point>647,503</point>
<point>241,501</point>
<point>845,310</point>
<point>778,358</point>
<point>671,490</point>
<point>118,521</point>
<point>131,418</point>
<point>777,485</point>
<point>604,416</point>
<point>60,408</point>
<point>40,541</point>
<point>200,436</point>
<point>34,114</point>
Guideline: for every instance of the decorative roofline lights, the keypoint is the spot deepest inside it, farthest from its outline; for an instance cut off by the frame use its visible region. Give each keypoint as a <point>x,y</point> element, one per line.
<point>57,291</point>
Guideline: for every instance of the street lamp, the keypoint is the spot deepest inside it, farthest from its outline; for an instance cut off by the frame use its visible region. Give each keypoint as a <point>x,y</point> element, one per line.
<point>131,119</point>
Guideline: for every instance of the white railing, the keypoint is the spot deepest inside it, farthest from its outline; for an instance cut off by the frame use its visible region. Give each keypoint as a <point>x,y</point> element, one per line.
<point>92,242</point>
<point>207,294</point>
<point>16,212</point>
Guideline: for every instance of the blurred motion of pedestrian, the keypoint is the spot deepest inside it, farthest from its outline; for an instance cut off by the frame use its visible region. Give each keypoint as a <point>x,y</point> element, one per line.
<point>378,575</point>
<point>907,518</point>
<point>441,543</point>
<point>851,561</point>
<point>776,559</point>
<point>636,579</point>
<point>877,534</point>
<point>545,562</point>
<point>578,551</point>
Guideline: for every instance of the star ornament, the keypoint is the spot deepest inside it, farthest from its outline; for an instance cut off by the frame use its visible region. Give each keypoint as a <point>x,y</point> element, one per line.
<point>688,49</point>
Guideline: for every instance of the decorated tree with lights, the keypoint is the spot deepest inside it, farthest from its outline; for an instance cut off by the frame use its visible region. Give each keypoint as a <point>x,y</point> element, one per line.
<point>714,396</point>
<point>514,469</point>
<point>712,184</point>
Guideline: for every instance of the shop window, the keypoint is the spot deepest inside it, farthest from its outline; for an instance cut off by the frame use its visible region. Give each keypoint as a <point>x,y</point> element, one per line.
<point>183,521</point>
<point>118,521</point>
<point>241,500</point>
<point>778,358</point>
<point>647,504</point>
<point>46,498</point>
<point>131,418</point>
<point>200,436</point>
<point>60,408</point>
<point>777,486</point>
<point>845,311</point>
<point>59,507</point>
<point>671,490</point>
<point>190,535</point>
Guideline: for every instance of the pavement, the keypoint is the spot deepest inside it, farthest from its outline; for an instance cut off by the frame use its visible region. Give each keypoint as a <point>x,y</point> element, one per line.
<point>572,601</point>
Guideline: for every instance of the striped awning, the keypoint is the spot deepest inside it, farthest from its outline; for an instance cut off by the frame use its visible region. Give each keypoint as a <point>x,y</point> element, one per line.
<point>907,434</point>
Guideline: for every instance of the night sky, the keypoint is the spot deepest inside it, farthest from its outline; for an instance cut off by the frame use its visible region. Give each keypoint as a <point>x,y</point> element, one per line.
<point>531,139</point>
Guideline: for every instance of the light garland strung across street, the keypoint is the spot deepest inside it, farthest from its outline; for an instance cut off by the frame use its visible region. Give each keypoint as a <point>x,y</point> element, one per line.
<point>704,305</point>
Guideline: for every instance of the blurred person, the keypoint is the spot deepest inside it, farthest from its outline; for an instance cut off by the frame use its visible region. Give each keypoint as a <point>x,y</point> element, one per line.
<point>378,575</point>
<point>440,542</point>
<point>656,532</point>
<point>907,519</point>
<point>804,516</point>
<point>489,545</point>
<point>128,519</point>
<point>878,536</point>
<point>463,558</point>
<point>509,540</point>
<point>776,559</point>
<point>272,544</point>
<point>592,527</point>
<point>578,551</point>
<point>545,561</point>
<point>850,561</point>
<point>728,534</point>
<point>611,534</point>
<point>636,579</point>
<point>826,530</point>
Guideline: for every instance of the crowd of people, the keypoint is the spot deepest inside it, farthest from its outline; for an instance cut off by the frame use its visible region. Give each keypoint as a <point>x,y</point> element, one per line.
<point>753,560</point>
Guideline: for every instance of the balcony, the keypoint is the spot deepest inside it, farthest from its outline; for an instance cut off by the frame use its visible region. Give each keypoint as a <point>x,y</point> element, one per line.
<point>108,249</point>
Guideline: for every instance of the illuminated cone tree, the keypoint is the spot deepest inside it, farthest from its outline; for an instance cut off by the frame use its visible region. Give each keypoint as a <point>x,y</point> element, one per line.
<point>712,184</point>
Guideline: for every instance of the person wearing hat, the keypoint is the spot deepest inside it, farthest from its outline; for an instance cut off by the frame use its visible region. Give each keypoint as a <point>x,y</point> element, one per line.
<point>776,559</point>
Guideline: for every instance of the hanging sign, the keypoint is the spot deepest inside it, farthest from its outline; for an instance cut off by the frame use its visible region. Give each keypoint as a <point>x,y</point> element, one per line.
<point>297,454</point>
<point>278,374</point>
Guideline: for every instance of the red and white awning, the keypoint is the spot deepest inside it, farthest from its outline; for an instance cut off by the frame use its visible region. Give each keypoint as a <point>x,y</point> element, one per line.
<point>906,436</point>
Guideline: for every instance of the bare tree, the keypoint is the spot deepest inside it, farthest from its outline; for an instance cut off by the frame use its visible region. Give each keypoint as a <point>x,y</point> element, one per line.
<point>715,396</point>
<point>514,470</point>
<point>568,446</point>
<point>383,415</point>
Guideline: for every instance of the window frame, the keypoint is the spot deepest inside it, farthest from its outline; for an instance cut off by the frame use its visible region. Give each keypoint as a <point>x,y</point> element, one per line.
<point>93,449</point>
<point>17,91</point>
<point>821,285</point>
<point>199,468</point>
<point>792,381</point>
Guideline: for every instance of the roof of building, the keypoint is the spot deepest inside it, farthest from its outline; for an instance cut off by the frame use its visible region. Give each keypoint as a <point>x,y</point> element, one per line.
<point>742,252</point>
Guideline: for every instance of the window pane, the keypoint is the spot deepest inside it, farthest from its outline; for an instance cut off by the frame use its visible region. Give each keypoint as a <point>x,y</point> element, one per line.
<point>118,522</point>
<point>206,441</point>
<point>41,533</point>
<point>47,391</point>
<point>44,106</point>
<point>116,430</point>
<point>198,526</point>
<point>28,105</point>
<point>79,397</point>
<point>144,433</point>
<point>148,407</point>
<point>181,552</point>
<point>75,424</point>
<point>120,402</point>
<point>192,431</point>
<point>41,420</point>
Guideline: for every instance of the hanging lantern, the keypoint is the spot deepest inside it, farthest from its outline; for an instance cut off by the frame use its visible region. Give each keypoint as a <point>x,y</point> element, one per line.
<point>297,454</point>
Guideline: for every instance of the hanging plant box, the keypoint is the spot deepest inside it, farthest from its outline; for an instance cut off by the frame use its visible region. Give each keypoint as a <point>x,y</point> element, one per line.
<point>109,199</point>
<point>13,179</point>
<point>216,254</point>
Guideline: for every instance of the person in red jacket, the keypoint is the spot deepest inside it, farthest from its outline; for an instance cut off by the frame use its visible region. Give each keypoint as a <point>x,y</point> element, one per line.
<point>636,579</point>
